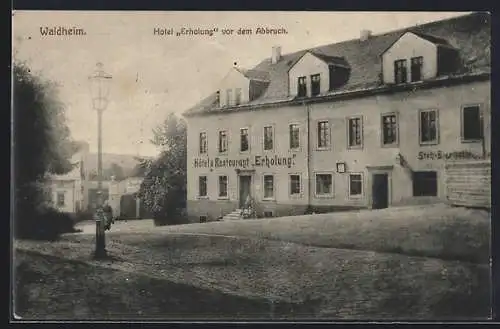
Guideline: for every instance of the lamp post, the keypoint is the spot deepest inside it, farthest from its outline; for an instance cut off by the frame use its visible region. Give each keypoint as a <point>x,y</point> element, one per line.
<point>99,84</point>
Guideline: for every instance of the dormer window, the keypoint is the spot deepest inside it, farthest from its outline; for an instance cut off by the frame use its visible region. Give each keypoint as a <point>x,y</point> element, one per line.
<point>400,72</point>
<point>302,87</point>
<point>315,84</point>
<point>237,96</point>
<point>416,68</point>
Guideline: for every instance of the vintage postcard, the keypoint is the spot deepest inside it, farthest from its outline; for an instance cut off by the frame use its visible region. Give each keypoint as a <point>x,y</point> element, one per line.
<point>235,166</point>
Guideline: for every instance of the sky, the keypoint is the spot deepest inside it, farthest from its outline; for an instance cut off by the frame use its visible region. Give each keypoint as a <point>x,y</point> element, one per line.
<point>155,75</point>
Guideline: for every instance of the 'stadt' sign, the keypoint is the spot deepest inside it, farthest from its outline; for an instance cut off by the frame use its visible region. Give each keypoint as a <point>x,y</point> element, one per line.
<point>258,161</point>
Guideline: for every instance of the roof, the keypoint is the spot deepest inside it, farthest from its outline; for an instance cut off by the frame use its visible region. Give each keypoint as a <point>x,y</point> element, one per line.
<point>470,34</point>
<point>254,74</point>
<point>331,60</point>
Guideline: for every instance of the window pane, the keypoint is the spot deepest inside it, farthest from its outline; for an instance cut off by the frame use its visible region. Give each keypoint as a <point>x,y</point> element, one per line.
<point>203,142</point>
<point>356,184</point>
<point>268,138</point>
<point>222,141</point>
<point>315,84</point>
<point>302,87</point>
<point>389,127</point>
<point>472,123</point>
<point>268,186</point>
<point>323,184</point>
<point>203,186</point>
<point>294,136</point>
<point>424,183</point>
<point>294,184</point>
<point>237,96</point>
<point>428,126</point>
<point>323,134</point>
<point>355,132</point>
<point>222,186</point>
<point>244,140</point>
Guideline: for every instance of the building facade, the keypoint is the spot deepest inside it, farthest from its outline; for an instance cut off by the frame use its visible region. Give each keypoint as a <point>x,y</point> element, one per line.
<point>365,123</point>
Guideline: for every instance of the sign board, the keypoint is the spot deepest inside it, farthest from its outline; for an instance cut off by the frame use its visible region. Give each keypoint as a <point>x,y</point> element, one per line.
<point>246,162</point>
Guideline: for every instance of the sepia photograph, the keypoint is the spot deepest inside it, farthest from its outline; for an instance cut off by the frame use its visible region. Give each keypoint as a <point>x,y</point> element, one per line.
<point>251,166</point>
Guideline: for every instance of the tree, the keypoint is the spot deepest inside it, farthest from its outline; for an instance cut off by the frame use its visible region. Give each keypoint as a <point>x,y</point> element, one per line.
<point>114,170</point>
<point>164,186</point>
<point>42,145</point>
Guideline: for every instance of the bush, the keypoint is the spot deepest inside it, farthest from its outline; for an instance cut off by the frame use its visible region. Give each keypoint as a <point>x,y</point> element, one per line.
<point>46,224</point>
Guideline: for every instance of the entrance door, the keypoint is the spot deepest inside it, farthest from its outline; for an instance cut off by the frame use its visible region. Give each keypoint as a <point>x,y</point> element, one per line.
<point>380,191</point>
<point>245,185</point>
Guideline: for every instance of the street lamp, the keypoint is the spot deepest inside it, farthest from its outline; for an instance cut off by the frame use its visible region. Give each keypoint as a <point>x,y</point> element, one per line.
<point>99,87</point>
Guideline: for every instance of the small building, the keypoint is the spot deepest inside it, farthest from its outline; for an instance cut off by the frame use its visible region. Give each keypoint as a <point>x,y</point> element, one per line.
<point>364,123</point>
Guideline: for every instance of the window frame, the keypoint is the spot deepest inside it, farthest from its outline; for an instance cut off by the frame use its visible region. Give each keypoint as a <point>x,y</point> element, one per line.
<point>273,197</point>
<point>229,97</point>
<point>248,140</point>
<point>294,195</point>
<point>437,184</point>
<point>264,138</point>
<point>290,136</point>
<point>206,142</point>
<point>420,66</point>
<point>405,75</point>
<point>420,135</point>
<point>360,195</point>
<point>237,96</point>
<point>361,137</point>
<point>329,131</point>
<point>206,186</point>
<point>382,130</point>
<point>312,77</point>
<point>324,195</point>
<point>299,85</point>
<point>222,197</point>
<point>226,131</point>
<point>462,123</point>
<point>58,194</point>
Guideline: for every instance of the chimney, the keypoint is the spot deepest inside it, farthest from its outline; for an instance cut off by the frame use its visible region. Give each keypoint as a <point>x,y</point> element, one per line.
<point>276,54</point>
<point>365,35</point>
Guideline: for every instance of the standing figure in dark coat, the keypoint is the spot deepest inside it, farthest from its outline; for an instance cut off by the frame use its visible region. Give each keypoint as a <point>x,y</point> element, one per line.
<point>108,212</point>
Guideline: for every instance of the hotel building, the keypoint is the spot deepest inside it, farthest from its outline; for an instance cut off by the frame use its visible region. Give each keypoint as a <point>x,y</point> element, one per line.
<point>364,123</point>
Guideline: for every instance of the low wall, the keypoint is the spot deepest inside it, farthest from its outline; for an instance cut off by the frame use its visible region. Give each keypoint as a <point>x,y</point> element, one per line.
<point>468,183</point>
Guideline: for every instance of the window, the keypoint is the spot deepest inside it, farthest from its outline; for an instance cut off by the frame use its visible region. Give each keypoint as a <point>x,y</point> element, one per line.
<point>237,96</point>
<point>294,184</point>
<point>315,84</point>
<point>203,219</point>
<point>355,127</point>
<point>268,186</point>
<point>229,97</point>
<point>222,186</point>
<point>472,122</point>
<point>428,127</point>
<point>244,145</point>
<point>355,184</point>
<point>323,134</point>
<point>60,199</point>
<point>424,183</point>
<point>324,184</point>
<point>268,138</point>
<point>400,72</point>
<point>294,136</point>
<point>202,186</point>
<point>222,141</point>
<point>416,68</point>
<point>389,129</point>
<point>203,142</point>
<point>302,87</point>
